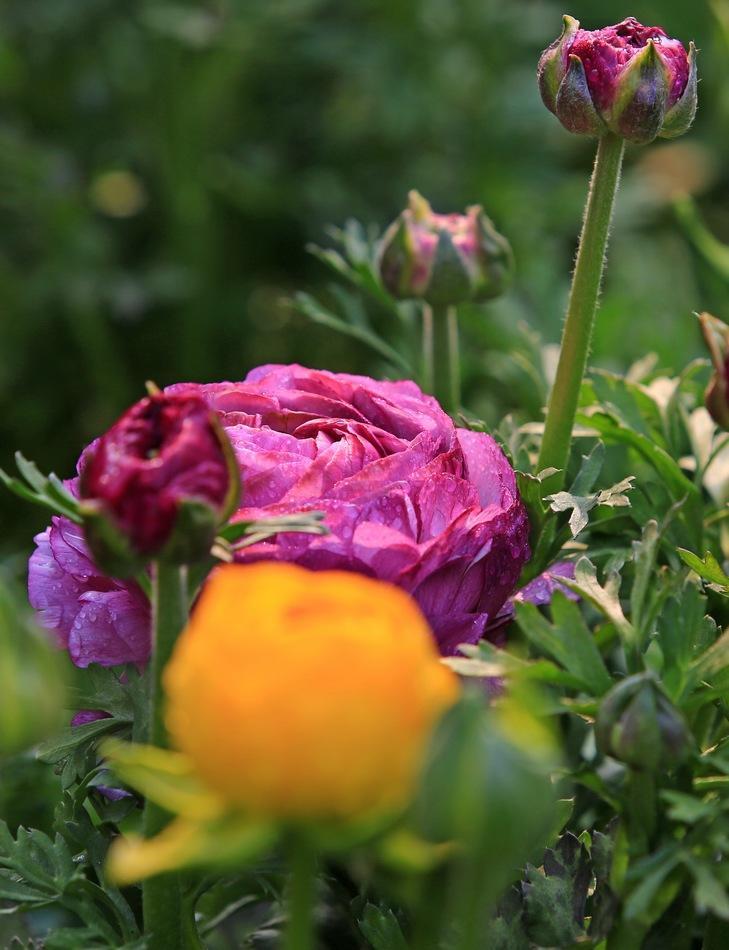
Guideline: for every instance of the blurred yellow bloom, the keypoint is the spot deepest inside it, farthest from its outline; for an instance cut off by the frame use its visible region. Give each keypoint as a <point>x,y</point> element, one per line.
<point>300,695</point>
<point>119,194</point>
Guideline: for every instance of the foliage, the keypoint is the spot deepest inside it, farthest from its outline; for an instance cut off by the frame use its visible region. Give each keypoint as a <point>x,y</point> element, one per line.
<point>167,196</point>
<point>164,166</point>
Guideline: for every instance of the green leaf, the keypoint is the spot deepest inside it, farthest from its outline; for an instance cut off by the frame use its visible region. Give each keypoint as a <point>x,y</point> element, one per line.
<point>630,401</point>
<point>679,486</point>
<point>589,471</point>
<point>483,660</point>
<point>682,634</point>
<point>311,308</point>
<point>48,492</point>
<point>712,667</point>
<point>120,691</point>
<point>580,505</point>
<point>651,893</point>
<point>555,895</point>
<point>708,568</point>
<point>710,893</point>
<point>34,869</point>
<point>688,808</point>
<point>380,927</point>
<point>606,599</point>
<point>644,558</point>
<point>567,640</point>
<point>68,740</point>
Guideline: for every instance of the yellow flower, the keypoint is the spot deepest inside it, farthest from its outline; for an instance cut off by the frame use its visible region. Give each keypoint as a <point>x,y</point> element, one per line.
<point>301,695</point>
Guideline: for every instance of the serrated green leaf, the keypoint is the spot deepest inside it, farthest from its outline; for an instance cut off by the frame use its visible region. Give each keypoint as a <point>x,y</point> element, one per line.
<point>567,640</point>
<point>606,599</point>
<point>679,486</point>
<point>644,558</point>
<point>58,747</point>
<point>652,891</point>
<point>688,808</point>
<point>311,308</point>
<point>589,471</point>
<point>380,927</point>
<point>710,892</point>
<point>484,660</point>
<point>707,567</point>
<point>581,505</point>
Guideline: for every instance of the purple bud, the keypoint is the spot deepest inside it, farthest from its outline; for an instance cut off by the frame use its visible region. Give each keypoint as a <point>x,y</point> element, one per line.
<point>629,79</point>
<point>444,259</point>
<point>157,484</point>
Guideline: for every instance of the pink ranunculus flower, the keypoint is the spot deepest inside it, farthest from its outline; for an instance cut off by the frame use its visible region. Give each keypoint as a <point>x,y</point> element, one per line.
<point>408,497</point>
<point>95,618</point>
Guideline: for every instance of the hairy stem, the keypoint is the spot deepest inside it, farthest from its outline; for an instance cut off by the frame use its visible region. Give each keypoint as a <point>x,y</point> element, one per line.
<point>581,308</point>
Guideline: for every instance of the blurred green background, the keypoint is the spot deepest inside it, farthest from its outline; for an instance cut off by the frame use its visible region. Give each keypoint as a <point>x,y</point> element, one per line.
<point>163,166</point>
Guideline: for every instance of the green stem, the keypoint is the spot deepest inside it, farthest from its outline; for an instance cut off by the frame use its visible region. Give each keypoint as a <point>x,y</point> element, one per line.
<point>626,935</point>
<point>581,308</point>
<point>431,908</point>
<point>446,368</point>
<point>716,934</point>
<point>454,357</point>
<point>299,934</point>
<point>427,349</point>
<point>162,903</point>
<point>641,810</point>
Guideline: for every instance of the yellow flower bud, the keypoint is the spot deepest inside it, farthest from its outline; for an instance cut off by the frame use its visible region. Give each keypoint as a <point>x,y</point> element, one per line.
<point>301,695</point>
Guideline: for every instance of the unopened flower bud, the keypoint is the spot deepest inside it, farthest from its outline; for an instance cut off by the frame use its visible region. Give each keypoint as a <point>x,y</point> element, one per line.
<point>32,695</point>
<point>638,724</point>
<point>716,397</point>
<point>629,79</point>
<point>158,484</point>
<point>347,746</point>
<point>444,259</point>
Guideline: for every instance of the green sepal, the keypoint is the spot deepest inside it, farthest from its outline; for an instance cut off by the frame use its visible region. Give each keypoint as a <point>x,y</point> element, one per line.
<point>395,263</point>
<point>109,546</point>
<point>639,108</point>
<point>574,107</point>
<point>680,116</point>
<point>496,269</point>
<point>637,724</point>
<point>192,535</point>
<point>551,70</point>
<point>226,844</point>
<point>235,486</point>
<point>450,281</point>
<point>164,777</point>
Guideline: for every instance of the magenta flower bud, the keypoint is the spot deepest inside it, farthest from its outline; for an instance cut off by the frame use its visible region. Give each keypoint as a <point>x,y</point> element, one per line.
<point>629,79</point>
<point>444,259</point>
<point>716,397</point>
<point>158,484</point>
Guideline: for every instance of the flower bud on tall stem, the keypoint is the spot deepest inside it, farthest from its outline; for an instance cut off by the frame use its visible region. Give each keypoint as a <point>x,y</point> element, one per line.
<point>443,260</point>
<point>624,82</point>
